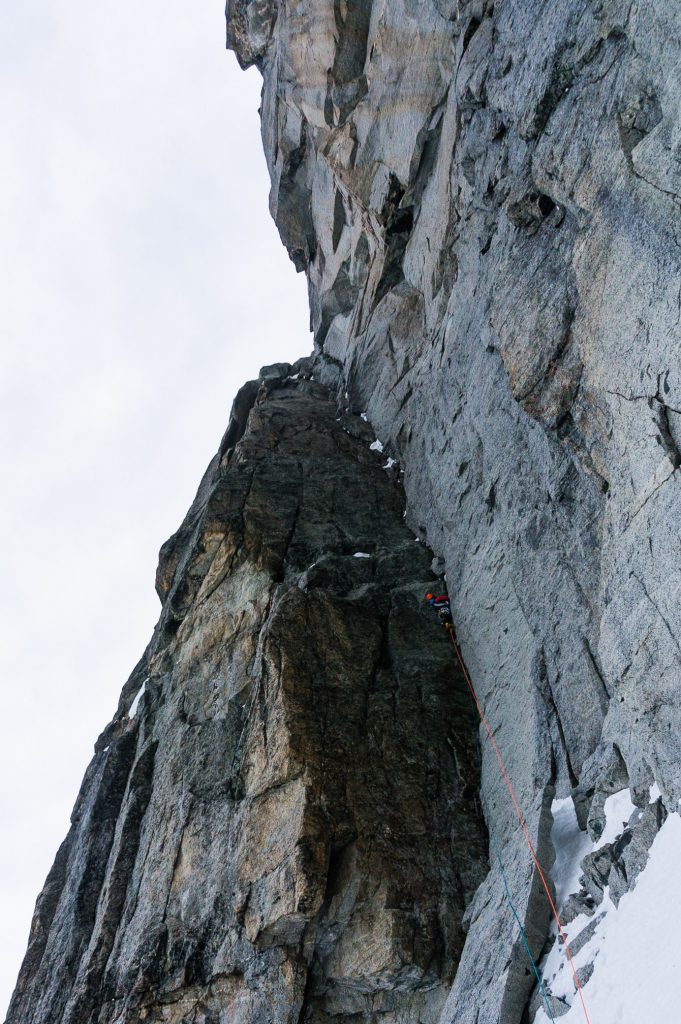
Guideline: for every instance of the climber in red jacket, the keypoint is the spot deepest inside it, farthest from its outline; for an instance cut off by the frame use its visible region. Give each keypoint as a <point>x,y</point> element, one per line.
<point>440,602</point>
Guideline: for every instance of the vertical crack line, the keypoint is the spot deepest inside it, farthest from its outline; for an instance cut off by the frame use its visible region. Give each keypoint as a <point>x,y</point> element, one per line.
<point>659,612</point>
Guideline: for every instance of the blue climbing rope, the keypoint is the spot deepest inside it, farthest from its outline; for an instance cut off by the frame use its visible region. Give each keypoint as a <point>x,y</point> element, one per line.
<point>509,900</point>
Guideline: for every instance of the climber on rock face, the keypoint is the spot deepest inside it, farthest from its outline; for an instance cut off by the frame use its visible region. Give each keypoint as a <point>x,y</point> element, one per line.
<point>440,602</point>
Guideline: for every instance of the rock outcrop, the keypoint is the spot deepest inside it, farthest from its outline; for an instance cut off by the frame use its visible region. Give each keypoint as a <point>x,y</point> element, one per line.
<point>281,822</point>
<point>485,196</point>
<point>486,199</point>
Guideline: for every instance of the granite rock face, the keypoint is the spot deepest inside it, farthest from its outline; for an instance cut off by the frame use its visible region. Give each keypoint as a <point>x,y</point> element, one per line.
<point>282,821</point>
<point>485,196</point>
<point>287,820</point>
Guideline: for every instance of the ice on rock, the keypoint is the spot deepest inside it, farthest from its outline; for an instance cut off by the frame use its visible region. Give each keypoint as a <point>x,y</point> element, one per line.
<point>571,846</point>
<point>136,703</point>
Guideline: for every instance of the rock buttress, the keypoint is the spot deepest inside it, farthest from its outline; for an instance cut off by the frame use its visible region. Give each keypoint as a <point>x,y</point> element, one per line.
<point>486,199</point>
<point>281,822</point>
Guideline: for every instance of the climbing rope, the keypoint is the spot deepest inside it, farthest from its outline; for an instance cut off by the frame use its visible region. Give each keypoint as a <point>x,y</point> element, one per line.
<point>509,785</point>
<point>509,900</point>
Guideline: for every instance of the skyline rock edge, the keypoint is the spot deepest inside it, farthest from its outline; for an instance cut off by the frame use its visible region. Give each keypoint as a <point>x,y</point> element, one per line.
<point>282,820</point>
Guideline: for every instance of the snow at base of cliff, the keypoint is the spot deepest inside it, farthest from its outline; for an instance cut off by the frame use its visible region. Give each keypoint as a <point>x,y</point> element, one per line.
<point>635,947</point>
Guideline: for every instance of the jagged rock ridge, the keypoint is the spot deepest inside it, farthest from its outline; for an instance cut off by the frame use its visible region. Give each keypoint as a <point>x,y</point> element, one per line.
<point>281,822</point>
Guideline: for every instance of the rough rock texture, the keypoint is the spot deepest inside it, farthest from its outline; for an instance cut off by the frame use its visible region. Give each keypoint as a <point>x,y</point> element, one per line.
<point>282,822</point>
<point>486,199</point>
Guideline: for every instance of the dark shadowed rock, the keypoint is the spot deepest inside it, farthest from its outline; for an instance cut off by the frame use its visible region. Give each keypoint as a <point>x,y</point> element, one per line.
<point>285,826</point>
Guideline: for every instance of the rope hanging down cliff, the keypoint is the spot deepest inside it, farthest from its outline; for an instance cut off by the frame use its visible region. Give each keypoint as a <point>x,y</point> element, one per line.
<point>516,916</point>
<point>442,606</point>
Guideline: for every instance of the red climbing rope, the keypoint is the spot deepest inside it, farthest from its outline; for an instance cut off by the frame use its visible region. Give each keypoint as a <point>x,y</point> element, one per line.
<point>521,819</point>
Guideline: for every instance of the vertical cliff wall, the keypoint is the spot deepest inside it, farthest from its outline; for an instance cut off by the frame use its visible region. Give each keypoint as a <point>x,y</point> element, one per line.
<point>288,818</point>
<point>282,820</point>
<point>485,197</point>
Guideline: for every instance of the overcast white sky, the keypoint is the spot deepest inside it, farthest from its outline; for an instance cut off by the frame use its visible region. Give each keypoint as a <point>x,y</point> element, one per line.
<point>141,282</point>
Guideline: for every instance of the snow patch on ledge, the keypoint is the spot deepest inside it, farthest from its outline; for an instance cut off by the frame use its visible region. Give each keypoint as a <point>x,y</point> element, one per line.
<point>618,810</point>
<point>571,846</point>
<point>136,703</point>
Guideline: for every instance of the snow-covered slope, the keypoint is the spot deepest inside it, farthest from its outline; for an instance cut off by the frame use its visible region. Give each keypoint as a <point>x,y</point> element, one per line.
<point>627,955</point>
